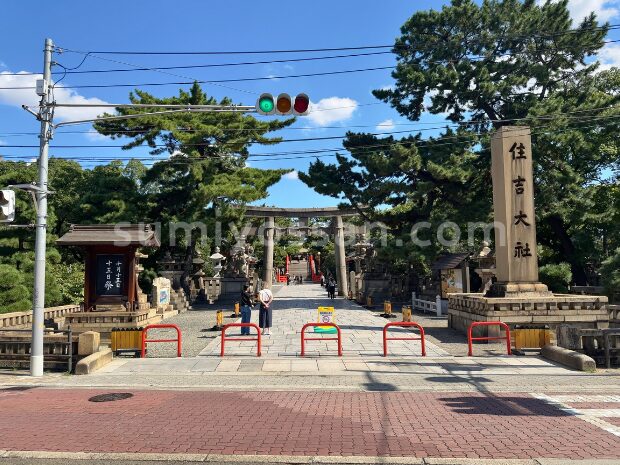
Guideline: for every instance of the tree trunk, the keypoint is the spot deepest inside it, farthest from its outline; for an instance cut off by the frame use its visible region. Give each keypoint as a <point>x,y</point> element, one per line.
<point>567,249</point>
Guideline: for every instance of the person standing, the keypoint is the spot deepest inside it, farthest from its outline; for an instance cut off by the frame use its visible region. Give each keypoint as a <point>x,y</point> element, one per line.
<point>331,288</point>
<point>246,309</point>
<point>265,311</point>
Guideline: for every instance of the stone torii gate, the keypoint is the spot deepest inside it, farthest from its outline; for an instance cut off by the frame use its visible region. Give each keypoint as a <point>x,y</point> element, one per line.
<point>335,213</point>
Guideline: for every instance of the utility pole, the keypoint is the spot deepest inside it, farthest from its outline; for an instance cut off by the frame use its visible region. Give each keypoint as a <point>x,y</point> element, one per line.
<point>45,116</point>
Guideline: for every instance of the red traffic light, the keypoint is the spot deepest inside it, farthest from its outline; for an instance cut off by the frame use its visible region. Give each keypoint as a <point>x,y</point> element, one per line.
<point>301,105</point>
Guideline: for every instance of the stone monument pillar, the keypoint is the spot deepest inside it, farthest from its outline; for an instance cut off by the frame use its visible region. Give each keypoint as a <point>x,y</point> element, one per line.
<point>341,264</point>
<point>518,297</point>
<point>268,253</point>
<point>513,205</point>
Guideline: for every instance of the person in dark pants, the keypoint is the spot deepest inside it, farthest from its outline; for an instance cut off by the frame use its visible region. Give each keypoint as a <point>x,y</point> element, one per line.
<point>264,318</point>
<point>246,309</point>
<point>331,288</point>
<point>265,312</point>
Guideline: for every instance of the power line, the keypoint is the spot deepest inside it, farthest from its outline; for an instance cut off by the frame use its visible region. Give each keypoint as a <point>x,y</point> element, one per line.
<point>438,126</point>
<point>332,49</point>
<point>219,81</point>
<point>310,128</point>
<point>274,156</point>
<point>210,81</point>
<point>219,65</point>
<point>232,52</point>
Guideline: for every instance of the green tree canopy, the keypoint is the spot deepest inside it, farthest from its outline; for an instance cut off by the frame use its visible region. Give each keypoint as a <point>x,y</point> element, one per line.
<point>500,62</point>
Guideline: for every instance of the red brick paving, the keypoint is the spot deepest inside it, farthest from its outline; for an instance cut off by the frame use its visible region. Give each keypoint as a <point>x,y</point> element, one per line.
<point>613,420</point>
<point>586,405</point>
<point>299,423</point>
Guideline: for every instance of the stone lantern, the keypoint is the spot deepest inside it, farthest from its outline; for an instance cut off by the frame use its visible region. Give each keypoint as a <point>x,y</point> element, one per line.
<point>486,266</point>
<point>217,258</point>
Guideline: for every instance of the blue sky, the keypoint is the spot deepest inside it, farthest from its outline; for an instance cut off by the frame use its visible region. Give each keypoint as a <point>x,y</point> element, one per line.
<point>157,25</point>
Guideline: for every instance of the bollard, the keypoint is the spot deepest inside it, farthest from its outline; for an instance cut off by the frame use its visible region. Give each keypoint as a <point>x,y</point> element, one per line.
<point>219,318</point>
<point>237,311</point>
<point>369,301</point>
<point>406,313</point>
<point>387,310</point>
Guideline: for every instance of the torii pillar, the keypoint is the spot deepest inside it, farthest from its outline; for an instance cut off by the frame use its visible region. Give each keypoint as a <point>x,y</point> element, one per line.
<point>268,252</point>
<point>341,263</point>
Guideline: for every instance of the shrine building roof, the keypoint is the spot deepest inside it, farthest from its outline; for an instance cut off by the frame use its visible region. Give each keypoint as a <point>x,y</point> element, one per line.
<point>110,234</point>
<point>449,261</point>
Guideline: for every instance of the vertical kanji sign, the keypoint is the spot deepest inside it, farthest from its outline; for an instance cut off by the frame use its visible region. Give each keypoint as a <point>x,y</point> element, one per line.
<point>513,204</point>
<point>110,274</point>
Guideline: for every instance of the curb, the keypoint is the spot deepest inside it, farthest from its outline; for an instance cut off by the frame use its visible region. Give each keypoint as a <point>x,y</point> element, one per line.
<point>292,459</point>
<point>569,358</point>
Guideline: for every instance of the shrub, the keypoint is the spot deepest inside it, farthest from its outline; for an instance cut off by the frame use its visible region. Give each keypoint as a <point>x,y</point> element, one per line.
<point>557,276</point>
<point>14,296</point>
<point>610,274</point>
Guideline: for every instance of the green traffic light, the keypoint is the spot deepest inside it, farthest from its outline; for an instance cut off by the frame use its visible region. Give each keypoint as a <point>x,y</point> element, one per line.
<point>266,104</point>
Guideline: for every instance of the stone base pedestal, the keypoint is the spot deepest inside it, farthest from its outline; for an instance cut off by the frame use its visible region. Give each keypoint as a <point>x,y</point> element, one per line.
<point>519,290</point>
<point>552,310</point>
<point>231,288</point>
<point>103,322</point>
<point>378,288</point>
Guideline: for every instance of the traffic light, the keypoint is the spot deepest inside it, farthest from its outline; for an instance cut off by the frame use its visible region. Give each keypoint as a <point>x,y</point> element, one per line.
<point>7,206</point>
<point>283,104</point>
<point>265,104</point>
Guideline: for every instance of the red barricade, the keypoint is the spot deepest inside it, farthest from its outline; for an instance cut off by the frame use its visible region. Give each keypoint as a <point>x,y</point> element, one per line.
<point>242,325</point>
<point>488,338</point>
<point>304,339</point>
<point>403,324</point>
<point>145,340</point>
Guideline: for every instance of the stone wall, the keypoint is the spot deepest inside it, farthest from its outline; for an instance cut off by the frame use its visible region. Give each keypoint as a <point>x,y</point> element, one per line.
<point>580,311</point>
<point>17,320</point>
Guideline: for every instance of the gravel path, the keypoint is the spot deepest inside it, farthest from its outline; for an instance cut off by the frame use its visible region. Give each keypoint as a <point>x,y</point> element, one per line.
<point>193,324</point>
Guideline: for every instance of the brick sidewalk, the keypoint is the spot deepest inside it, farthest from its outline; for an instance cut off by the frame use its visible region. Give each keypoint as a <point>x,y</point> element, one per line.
<point>473,425</point>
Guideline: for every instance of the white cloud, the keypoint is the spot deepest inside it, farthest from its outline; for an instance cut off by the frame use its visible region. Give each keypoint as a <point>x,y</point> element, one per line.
<point>386,125</point>
<point>19,97</point>
<point>604,9</point>
<point>609,56</point>
<point>579,9</point>
<point>292,175</point>
<point>331,110</point>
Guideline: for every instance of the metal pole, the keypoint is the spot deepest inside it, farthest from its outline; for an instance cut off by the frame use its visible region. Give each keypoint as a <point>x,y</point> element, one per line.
<point>38,301</point>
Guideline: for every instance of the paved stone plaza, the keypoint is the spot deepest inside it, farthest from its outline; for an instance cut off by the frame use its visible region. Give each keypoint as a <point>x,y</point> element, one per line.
<point>445,408</point>
<point>362,341</point>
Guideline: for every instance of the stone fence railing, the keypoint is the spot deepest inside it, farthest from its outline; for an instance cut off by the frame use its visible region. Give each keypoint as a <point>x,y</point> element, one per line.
<point>614,312</point>
<point>24,319</point>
